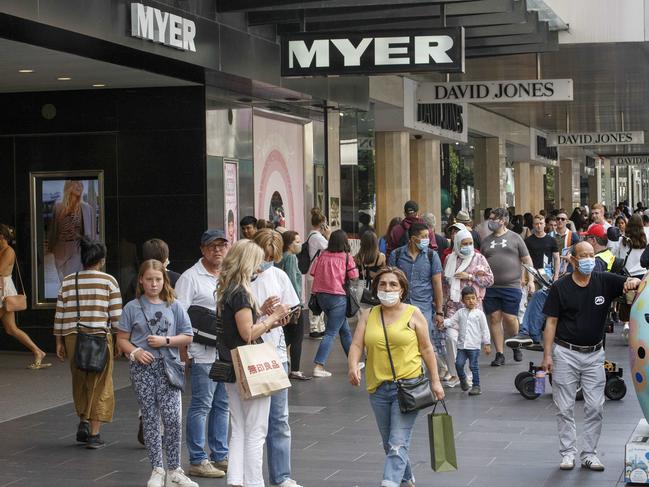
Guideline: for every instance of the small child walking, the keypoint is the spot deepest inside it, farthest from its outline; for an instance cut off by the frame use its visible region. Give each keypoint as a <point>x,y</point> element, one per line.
<point>152,327</point>
<point>473,333</point>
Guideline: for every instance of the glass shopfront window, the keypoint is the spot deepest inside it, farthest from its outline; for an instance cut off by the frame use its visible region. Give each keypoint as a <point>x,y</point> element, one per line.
<point>357,181</point>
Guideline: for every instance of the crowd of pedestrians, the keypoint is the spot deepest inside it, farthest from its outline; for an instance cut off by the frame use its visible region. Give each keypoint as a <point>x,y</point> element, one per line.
<point>429,302</point>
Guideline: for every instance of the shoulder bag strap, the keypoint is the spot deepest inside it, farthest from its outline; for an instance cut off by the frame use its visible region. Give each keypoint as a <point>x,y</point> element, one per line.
<point>20,277</point>
<point>76,288</point>
<point>387,346</point>
<point>346,267</point>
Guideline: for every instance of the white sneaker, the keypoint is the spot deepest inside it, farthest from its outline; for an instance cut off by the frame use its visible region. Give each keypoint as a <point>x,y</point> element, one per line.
<point>177,478</point>
<point>157,478</point>
<point>591,462</point>
<point>625,333</point>
<point>321,372</point>
<point>287,483</point>
<point>567,462</point>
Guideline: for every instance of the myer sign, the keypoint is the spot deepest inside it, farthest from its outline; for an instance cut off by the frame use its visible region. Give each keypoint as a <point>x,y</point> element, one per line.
<point>336,53</point>
<point>598,138</point>
<point>629,160</point>
<point>496,91</point>
<point>162,27</point>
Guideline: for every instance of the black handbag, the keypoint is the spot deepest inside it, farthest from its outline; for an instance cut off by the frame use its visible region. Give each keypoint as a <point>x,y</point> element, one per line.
<point>314,306</point>
<point>368,297</point>
<point>352,301</point>
<point>221,370</point>
<point>412,394</point>
<point>173,367</point>
<point>203,324</point>
<point>90,350</point>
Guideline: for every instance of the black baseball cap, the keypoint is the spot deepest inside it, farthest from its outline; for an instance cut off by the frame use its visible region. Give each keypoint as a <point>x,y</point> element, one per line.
<point>410,207</point>
<point>210,235</point>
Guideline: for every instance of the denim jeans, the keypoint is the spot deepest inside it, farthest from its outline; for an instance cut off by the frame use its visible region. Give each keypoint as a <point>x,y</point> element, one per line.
<point>334,307</point>
<point>460,361</point>
<point>209,403</point>
<point>534,318</point>
<point>278,440</point>
<point>396,432</point>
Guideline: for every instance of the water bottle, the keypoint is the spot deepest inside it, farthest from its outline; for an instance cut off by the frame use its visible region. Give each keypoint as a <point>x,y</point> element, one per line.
<point>539,382</point>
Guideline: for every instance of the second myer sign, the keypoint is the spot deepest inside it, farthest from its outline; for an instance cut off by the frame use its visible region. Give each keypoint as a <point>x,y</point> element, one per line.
<point>337,53</point>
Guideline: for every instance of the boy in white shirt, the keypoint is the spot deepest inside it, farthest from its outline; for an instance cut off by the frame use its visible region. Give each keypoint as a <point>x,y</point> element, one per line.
<point>473,332</point>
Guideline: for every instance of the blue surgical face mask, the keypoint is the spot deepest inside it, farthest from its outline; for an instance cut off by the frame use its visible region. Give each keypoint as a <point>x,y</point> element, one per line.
<point>586,265</point>
<point>466,250</point>
<point>423,243</point>
<point>493,225</point>
<point>265,266</point>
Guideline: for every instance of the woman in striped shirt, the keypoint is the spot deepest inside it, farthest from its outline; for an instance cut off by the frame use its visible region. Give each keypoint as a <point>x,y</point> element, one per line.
<point>96,305</point>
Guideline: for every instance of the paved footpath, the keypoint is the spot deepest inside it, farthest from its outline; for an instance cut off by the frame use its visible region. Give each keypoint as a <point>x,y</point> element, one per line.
<point>501,438</point>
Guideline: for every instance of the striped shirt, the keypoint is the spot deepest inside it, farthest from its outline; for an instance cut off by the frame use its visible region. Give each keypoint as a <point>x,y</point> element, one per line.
<point>100,303</point>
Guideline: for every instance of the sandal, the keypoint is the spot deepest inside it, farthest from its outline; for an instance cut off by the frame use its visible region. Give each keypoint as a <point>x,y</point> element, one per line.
<point>38,365</point>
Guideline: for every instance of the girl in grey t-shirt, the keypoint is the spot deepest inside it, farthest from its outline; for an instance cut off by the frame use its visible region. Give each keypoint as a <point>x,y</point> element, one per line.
<point>152,327</point>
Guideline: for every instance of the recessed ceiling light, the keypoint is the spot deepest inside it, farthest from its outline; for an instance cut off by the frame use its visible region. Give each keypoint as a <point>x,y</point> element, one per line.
<point>64,78</point>
<point>25,70</point>
<point>98,85</point>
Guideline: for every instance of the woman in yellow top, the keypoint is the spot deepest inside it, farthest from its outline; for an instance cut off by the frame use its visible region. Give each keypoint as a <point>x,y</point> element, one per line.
<point>407,331</point>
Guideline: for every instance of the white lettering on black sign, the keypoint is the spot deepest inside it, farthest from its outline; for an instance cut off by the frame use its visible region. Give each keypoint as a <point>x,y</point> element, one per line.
<point>306,54</point>
<point>162,27</point>
<point>447,116</point>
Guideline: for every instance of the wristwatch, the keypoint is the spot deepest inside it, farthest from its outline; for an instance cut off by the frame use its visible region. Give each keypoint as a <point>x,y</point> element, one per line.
<point>131,356</point>
<point>168,342</point>
<point>439,313</point>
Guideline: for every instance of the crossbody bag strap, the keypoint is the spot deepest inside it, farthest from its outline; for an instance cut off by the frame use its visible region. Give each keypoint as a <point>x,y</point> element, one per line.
<point>387,346</point>
<point>146,322</point>
<point>76,288</point>
<point>346,267</point>
<point>20,277</point>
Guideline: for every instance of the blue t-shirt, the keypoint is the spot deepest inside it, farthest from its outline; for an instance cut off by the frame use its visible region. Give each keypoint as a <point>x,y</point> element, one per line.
<point>419,272</point>
<point>164,320</point>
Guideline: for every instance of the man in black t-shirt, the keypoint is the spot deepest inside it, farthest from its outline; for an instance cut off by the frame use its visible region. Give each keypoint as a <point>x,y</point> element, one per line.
<point>576,312</point>
<point>543,248</point>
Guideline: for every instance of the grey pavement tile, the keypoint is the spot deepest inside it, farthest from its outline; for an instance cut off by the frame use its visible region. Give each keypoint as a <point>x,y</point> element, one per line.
<point>501,437</point>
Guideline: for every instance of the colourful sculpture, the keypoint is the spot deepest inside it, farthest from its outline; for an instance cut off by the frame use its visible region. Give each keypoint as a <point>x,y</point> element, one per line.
<point>639,346</point>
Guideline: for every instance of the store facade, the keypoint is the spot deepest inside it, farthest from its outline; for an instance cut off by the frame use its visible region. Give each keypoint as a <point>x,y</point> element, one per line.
<point>168,123</point>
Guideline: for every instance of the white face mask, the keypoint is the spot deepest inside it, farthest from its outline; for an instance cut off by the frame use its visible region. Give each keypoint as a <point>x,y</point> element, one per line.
<point>388,298</point>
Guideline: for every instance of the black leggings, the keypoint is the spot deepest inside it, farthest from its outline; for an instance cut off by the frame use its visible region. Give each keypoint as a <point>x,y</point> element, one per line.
<point>293,335</point>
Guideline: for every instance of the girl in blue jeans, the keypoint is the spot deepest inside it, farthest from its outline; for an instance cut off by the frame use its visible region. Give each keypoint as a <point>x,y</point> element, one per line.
<point>330,270</point>
<point>409,342</point>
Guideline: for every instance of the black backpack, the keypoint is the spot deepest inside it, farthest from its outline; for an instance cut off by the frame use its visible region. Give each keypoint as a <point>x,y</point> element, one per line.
<point>303,259</point>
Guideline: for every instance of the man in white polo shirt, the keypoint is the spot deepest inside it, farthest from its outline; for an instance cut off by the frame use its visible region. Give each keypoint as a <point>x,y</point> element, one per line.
<point>196,291</point>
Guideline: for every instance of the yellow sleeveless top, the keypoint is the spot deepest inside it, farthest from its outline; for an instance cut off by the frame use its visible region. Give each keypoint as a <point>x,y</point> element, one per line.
<point>403,346</point>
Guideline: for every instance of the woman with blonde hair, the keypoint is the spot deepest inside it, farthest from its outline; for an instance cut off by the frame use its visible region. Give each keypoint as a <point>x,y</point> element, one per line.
<point>72,218</point>
<point>151,329</point>
<point>7,288</point>
<point>241,325</point>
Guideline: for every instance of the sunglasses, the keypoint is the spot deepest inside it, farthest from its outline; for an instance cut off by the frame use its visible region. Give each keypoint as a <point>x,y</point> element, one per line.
<point>561,219</point>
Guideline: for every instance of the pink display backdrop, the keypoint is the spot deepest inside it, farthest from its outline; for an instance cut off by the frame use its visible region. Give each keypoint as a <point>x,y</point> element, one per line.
<point>279,168</point>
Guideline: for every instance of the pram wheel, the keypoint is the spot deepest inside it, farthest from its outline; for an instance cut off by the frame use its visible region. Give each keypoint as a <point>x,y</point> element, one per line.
<point>526,387</point>
<point>520,377</point>
<point>615,388</point>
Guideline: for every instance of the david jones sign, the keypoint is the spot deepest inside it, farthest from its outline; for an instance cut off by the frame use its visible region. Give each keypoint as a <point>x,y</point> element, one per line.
<point>600,138</point>
<point>496,91</point>
<point>162,27</point>
<point>321,54</point>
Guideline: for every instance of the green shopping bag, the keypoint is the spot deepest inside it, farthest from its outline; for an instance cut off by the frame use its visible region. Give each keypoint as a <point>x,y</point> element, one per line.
<point>442,441</point>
